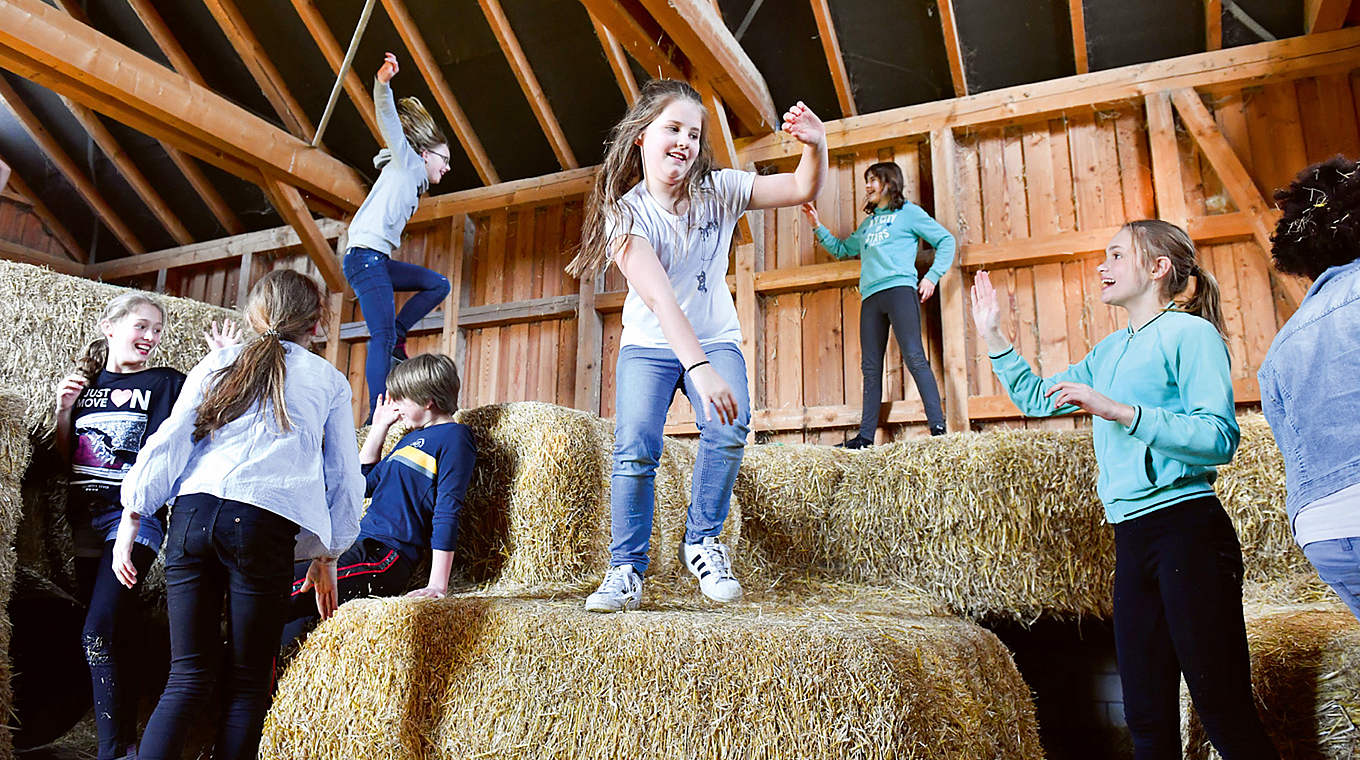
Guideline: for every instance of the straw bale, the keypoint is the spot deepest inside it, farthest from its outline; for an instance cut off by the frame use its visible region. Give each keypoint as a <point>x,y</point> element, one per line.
<point>14,457</point>
<point>517,678</point>
<point>46,319</point>
<point>1305,663</point>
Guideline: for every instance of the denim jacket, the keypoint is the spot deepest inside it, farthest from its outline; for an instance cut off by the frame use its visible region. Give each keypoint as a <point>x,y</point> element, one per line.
<point>1310,389</point>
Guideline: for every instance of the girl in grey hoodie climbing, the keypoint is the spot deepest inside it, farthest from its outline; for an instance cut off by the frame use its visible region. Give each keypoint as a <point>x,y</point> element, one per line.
<point>416,156</point>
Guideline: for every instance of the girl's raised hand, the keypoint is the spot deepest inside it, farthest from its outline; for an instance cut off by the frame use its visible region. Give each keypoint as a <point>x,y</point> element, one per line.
<point>68,390</point>
<point>123,569</point>
<point>227,335</point>
<point>714,392</point>
<point>810,211</point>
<point>388,69</point>
<point>803,125</point>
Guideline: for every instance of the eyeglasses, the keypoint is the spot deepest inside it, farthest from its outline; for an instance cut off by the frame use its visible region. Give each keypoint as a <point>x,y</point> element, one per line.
<point>441,155</point>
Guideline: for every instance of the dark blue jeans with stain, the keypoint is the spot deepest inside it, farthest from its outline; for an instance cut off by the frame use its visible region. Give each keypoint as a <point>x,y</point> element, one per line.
<point>217,551</point>
<point>376,278</point>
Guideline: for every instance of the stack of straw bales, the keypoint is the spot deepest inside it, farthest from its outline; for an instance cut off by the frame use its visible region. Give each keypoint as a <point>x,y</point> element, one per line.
<point>1305,663</point>
<point>14,458</point>
<point>517,678</point>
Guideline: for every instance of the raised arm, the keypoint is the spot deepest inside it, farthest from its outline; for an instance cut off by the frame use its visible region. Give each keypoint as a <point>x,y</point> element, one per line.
<point>775,190</point>
<point>841,249</point>
<point>385,104</point>
<point>648,279</point>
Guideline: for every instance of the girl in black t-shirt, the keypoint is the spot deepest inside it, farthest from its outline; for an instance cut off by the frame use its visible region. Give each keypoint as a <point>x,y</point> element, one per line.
<point>105,411</point>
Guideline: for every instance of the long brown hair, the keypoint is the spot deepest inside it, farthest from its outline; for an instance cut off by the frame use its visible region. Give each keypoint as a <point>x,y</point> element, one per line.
<point>1154,238</point>
<point>283,305</point>
<point>96,354</point>
<point>621,169</point>
<point>418,126</point>
<point>889,175</point>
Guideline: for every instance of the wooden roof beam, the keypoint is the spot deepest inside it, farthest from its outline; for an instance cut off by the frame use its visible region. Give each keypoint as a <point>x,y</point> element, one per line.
<point>698,30</point>
<point>272,240</point>
<point>42,44</point>
<point>1237,182</point>
<point>524,74</point>
<point>1324,15</point>
<point>618,60</point>
<point>180,61</point>
<point>68,167</point>
<point>439,87</point>
<point>1077,13</point>
<point>288,202</point>
<point>256,60</point>
<point>133,175</point>
<point>638,34</point>
<point>1213,24</point>
<point>335,56</point>
<point>831,47</point>
<point>952,49</point>
<point>53,225</point>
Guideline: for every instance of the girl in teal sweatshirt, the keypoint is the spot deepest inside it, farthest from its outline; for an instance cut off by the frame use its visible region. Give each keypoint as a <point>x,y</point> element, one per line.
<point>886,243</point>
<point>1161,401</point>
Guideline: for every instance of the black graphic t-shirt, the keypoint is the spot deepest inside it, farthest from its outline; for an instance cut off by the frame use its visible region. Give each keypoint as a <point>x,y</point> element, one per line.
<point>111,420</point>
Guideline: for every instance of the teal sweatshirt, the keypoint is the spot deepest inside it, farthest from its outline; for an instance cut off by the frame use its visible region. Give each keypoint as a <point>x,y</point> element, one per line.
<point>1174,371</point>
<point>886,242</point>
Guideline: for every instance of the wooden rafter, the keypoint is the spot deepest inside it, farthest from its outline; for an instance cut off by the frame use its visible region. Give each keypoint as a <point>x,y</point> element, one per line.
<point>256,59</point>
<point>272,240</point>
<point>54,226</point>
<point>288,202</point>
<point>698,30</point>
<point>1324,15</point>
<point>831,47</point>
<point>560,185</point>
<point>180,61</point>
<point>618,61</point>
<point>330,48</point>
<point>528,82</point>
<point>434,78</point>
<point>1213,24</point>
<point>1284,59</point>
<point>133,175</point>
<point>68,167</point>
<point>952,49</point>
<point>648,44</point>
<point>1236,181</point>
<point>42,44</point>
<point>1077,13</point>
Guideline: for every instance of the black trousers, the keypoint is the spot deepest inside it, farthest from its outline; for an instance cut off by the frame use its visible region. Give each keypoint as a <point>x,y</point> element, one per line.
<point>899,307</point>
<point>368,568</point>
<point>1178,609</point>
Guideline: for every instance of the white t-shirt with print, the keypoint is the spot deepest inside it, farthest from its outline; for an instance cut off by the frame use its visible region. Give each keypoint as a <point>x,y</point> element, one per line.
<point>693,250</point>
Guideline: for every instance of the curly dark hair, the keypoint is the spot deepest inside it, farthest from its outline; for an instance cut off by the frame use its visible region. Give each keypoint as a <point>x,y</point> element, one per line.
<point>1321,223</point>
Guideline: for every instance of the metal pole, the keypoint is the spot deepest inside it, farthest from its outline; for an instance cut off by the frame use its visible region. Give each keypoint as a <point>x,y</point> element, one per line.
<point>344,69</point>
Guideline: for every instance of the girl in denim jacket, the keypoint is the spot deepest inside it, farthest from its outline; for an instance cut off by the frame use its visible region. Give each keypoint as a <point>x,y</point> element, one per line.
<point>1308,382</point>
<point>1161,401</point>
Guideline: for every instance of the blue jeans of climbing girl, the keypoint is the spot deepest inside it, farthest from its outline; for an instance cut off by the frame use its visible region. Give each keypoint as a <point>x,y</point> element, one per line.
<point>647,379</point>
<point>376,278</point>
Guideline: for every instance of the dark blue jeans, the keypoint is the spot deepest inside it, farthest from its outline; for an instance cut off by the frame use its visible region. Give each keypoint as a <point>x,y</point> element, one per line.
<point>376,278</point>
<point>112,632</point>
<point>221,550</point>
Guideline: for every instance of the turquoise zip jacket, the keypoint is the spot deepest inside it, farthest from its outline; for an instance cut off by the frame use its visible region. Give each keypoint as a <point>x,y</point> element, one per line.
<point>1174,372</point>
<point>886,243</point>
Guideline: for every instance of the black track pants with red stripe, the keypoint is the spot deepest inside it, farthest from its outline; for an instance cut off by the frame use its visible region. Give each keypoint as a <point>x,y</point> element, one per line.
<point>368,568</point>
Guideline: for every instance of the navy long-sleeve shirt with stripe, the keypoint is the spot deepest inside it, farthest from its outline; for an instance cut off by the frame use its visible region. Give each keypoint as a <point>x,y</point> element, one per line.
<point>416,493</point>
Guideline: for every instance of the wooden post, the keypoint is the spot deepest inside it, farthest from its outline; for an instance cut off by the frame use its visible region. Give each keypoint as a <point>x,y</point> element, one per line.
<point>748,312</point>
<point>160,280</point>
<point>453,341</point>
<point>953,307</point>
<point>243,279</point>
<point>1166,161</point>
<point>333,342</point>
<point>589,348</point>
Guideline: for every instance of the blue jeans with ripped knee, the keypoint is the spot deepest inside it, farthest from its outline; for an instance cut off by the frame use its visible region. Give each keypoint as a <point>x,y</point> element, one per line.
<point>647,379</point>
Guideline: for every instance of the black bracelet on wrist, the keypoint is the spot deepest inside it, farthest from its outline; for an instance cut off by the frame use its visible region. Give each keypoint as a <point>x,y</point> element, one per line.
<point>695,366</point>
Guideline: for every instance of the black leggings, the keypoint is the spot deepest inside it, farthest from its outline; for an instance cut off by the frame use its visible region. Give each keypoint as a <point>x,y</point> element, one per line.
<point>900,307</point>
<point>1178,609</point>
<point>114,626</point>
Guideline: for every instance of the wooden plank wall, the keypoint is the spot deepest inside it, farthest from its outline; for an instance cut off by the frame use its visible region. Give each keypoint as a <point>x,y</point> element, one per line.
<point>1087,169</point>
<point>18,224</point>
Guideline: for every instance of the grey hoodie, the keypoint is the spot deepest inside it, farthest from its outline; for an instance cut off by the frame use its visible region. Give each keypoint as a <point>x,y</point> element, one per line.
<point>389,205</point>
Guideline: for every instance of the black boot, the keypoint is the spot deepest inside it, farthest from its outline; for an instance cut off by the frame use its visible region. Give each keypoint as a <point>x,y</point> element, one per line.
<point>858,442</point>
<point>399,351</point>
<point>937,430</point>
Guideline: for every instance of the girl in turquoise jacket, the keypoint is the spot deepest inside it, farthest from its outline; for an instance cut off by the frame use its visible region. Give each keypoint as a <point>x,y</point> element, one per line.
<point>1161,402</point>
<point>886,243</point>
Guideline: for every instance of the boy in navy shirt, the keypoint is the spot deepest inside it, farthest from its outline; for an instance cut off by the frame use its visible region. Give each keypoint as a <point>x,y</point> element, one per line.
<point>415,494</point>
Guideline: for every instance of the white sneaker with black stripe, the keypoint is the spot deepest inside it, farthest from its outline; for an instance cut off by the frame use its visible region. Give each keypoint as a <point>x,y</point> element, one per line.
<point>708,562</point>
<point>621,589</point>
